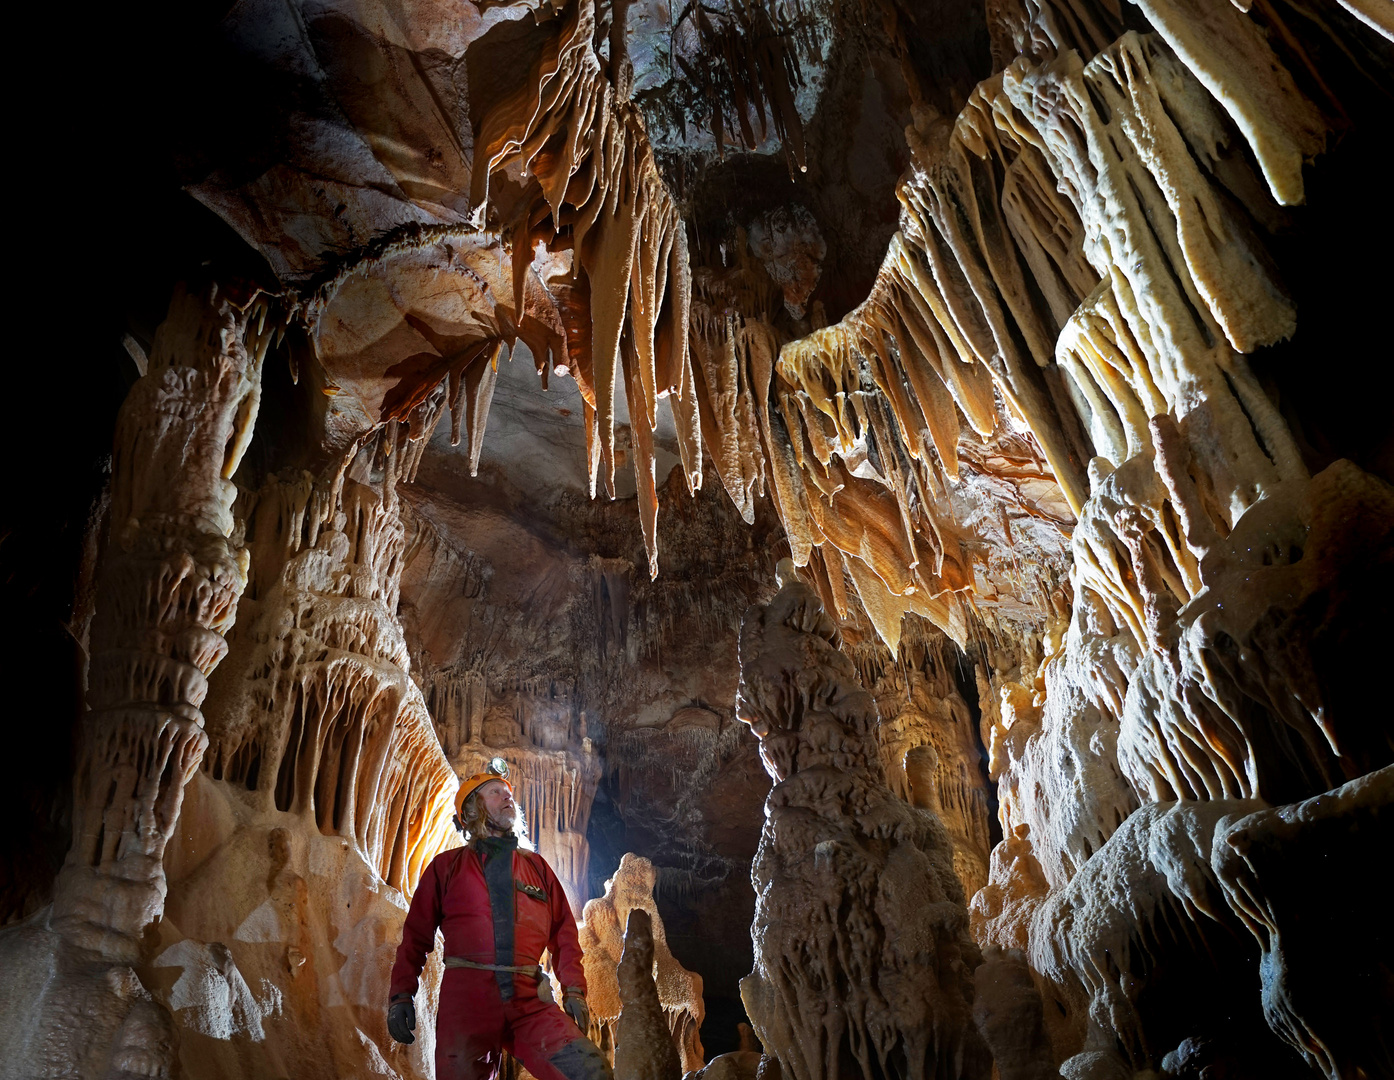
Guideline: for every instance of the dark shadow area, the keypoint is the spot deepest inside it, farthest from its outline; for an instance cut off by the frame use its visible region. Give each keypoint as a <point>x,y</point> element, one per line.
<point>106,233</point>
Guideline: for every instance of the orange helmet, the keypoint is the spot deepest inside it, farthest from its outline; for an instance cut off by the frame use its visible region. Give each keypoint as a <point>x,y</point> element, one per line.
<point>498,770</point>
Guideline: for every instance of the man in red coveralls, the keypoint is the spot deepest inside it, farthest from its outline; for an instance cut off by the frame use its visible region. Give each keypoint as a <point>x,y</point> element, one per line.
<point>499,908</point>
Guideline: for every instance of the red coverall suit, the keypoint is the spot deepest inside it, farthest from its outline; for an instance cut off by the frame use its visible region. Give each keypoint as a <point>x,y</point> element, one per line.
<point>497,905</point>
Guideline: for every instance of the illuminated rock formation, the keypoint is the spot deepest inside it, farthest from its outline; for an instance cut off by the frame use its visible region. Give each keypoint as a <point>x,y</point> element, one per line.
<point>862,956</point>
<point>616,978</point>
<point>169,590</point>
<point>929,745</point>
<point>323,795</point>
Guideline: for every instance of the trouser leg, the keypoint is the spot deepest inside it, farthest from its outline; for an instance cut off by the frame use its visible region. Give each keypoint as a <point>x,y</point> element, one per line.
<point>469,1027</point>
<point>550,1046</point>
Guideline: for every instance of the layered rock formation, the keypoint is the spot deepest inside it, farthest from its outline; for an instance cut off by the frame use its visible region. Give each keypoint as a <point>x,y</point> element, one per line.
<point>631,972</point>
<point>169,589</point>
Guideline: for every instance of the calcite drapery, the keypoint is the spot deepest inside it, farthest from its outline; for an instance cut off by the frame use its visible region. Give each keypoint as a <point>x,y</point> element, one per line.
<point>607,948</point>
<point>320,717</point>
<point>929,746</point>
<point>863,963</point>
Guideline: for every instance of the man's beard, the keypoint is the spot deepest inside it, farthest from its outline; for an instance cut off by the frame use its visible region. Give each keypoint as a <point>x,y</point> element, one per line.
<point>502,821</point>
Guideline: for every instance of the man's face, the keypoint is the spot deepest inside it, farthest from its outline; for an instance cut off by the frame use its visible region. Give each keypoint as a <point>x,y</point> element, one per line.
<point>499,804</point>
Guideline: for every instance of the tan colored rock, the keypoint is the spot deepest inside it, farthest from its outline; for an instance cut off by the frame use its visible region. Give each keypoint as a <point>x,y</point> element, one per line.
<point>679,991</point>
<point>169,584</point>
<point>860,933</point>
<point>737,1065</point>
<point>930,752</point>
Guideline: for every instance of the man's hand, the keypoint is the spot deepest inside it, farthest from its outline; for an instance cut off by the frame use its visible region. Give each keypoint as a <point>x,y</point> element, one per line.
<point>401,1018</point>
<point>574,1005</point>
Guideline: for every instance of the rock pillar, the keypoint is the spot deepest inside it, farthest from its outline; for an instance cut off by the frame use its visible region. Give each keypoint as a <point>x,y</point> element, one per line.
<point>168,587</point>
<point>863,963</point>
<point>679,990</point>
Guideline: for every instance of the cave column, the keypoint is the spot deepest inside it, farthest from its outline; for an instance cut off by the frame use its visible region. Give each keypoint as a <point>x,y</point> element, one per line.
<point>863,963</point>
<point>168,586</point>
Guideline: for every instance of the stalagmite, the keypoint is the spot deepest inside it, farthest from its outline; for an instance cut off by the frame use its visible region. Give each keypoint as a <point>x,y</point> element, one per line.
<point>612,985</point>
<point>644,1049</point>
<point>169,588</point>
<point>862,955</point>
<point>1009,1013</point>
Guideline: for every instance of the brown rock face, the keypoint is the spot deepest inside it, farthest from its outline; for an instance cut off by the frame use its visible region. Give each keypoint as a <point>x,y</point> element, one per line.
<point>1044,338</point>
<point>168,593</point>
<point>863,961</point>
<point>929,746</point>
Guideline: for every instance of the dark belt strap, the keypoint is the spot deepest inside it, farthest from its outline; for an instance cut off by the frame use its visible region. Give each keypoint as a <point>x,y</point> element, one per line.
<point>533,971</point>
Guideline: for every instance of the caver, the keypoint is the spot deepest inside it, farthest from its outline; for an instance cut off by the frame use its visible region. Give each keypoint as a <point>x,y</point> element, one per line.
<point>499,908</point>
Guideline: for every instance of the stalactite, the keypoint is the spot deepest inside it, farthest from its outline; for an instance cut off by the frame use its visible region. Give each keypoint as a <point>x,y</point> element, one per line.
<point>324,721</point>
<point>757,69</point>
<point>599,192</point>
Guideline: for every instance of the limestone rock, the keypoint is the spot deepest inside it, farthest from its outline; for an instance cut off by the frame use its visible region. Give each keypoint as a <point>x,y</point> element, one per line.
<point>860,933</point>
<point>644,1048</point>
<point>677,992</point>
<point>1008,1011</point>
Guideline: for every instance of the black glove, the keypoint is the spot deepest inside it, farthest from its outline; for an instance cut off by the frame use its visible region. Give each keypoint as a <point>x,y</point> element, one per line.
<point>401,1019</point>
<point>574,1005</point>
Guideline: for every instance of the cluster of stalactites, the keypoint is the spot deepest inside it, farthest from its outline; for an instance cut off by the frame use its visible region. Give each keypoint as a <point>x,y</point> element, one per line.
<point>320,717</point>
<point>1068,259</point>
<point>757,67</point>
<point>593,187</point>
